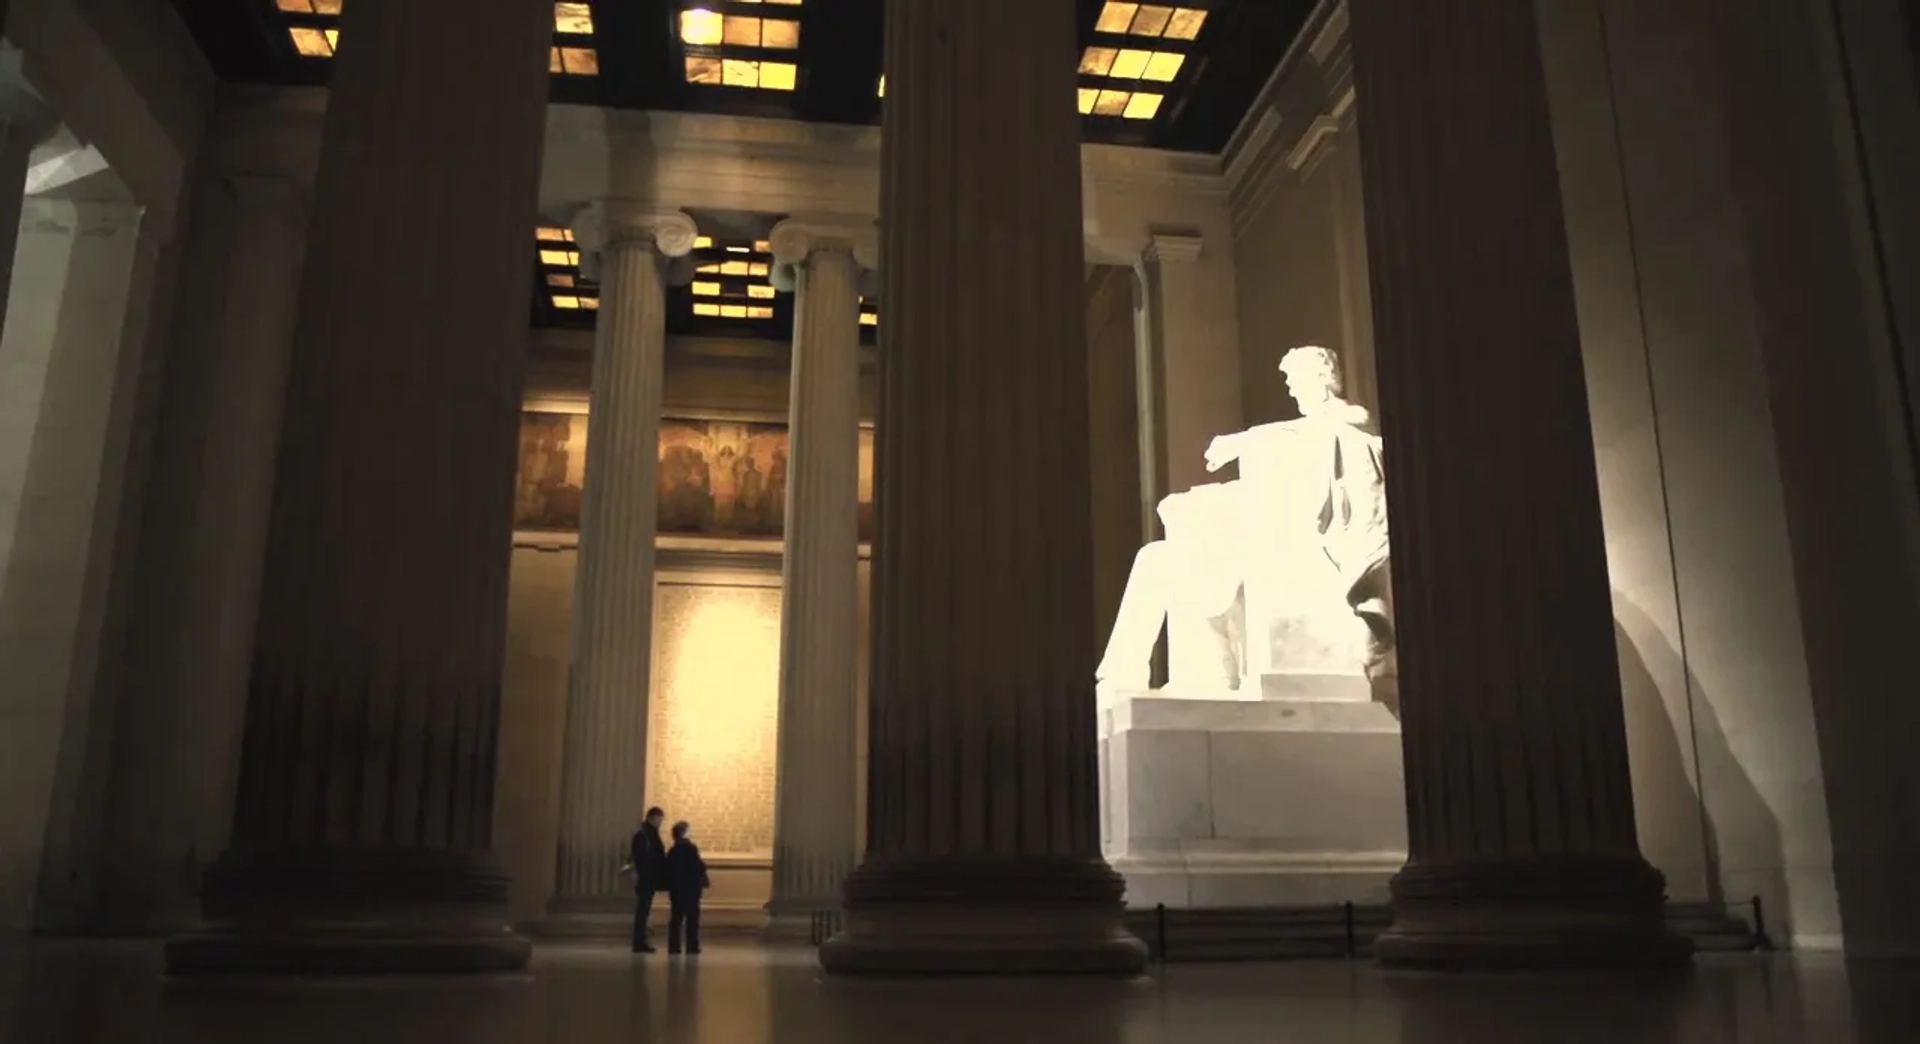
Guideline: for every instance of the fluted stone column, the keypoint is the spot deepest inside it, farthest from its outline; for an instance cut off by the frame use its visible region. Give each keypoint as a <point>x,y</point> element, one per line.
<point>1520,811</point>
<point>983,849</point>
<point>363,822</point>
<point>29,729</point>
<point>602,793</point>
<point>814,813</point>
<point>176,732</point>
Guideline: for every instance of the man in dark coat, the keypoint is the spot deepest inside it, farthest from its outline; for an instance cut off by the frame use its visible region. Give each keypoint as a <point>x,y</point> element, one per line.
<point>686,879</point>
<point>648,860</point>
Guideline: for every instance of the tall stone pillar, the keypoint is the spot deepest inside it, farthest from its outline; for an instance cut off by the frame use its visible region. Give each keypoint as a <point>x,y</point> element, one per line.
<point>70,361</point>
<point>1520,811</point>
<point>602,793</point>
<point>983,849</point>
<point>813,833</point>
<point>183,696</point>
<point>1193,337</point>
<point>363,822</point>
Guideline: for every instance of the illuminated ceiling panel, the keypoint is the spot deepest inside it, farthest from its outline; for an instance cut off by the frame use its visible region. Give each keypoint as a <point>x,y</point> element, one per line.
<point>1104,62</point>
<point>1126,63</point>
<point>1194,65</point>
<point>1127,105</point>
<point>559,258</point>
<point>730,280</point>
<point>748,51</point>
<point>1114,67</point>
<point>1151,20</point>
<point>313,27</point>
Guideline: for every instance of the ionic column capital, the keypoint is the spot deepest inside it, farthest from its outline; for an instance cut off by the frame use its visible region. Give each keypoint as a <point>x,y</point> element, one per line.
<point>798,238</point>
<point>607,223</point>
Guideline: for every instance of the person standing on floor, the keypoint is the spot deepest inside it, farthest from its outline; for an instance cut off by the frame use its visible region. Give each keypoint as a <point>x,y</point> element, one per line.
<point>686,879</point>
<point>647,859</point>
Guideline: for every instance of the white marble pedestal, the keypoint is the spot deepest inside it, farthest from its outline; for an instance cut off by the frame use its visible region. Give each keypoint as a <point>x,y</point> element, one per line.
<point>1228,802</point>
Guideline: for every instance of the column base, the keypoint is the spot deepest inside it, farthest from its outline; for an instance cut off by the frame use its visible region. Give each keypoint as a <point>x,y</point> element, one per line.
<point>351,912</point>
<point>984,917</point>
<point>808,920</point>
<point>788,926</point>
<point>1567,911</point>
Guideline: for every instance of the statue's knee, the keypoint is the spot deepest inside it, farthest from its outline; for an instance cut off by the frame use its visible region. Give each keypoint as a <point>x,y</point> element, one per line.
<point>1154,559</point>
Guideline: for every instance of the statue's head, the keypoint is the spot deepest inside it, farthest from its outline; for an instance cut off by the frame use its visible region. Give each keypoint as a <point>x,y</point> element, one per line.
<point>1313,377</point>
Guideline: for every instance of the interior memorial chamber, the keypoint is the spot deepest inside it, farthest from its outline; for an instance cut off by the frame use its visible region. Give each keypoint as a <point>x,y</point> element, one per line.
<point>706,321</point>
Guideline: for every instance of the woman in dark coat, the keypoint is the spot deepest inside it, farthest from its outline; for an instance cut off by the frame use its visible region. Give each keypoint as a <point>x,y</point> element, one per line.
<point>686,879</point>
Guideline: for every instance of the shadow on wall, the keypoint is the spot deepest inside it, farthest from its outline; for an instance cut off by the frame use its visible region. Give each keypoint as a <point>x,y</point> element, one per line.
<point>1741,835</point>
<point>532,740</point>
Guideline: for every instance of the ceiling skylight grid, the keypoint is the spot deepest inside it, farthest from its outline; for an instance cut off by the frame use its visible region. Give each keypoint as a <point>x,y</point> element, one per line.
<point>559,258</point>
<point>1138,53</point>
<point>745,44</point>
<point>731,279</point>
<point>313,27</point>
<point>573,52</point>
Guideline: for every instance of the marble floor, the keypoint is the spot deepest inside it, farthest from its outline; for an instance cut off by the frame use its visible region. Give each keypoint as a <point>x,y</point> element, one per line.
<point>744,993</point>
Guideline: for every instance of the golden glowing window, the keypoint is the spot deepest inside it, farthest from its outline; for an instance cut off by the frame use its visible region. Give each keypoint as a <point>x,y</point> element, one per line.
<point>314,30</point>
<point>869,319</point>
<point>1151,20</point>
<point>1129,105</point>
<point>881,91</point>
<point>1126,63</point>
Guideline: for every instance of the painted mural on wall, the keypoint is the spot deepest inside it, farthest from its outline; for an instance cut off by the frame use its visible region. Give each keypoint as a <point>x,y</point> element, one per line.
<point>553,469</point>
<point>717,478</point>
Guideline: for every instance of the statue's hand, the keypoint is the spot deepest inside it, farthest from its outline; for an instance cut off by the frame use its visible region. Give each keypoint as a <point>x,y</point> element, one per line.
<point>1222,451</point>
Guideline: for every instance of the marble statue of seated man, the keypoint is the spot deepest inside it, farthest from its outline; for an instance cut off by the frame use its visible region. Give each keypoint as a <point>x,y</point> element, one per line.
<point>1226,580</point>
